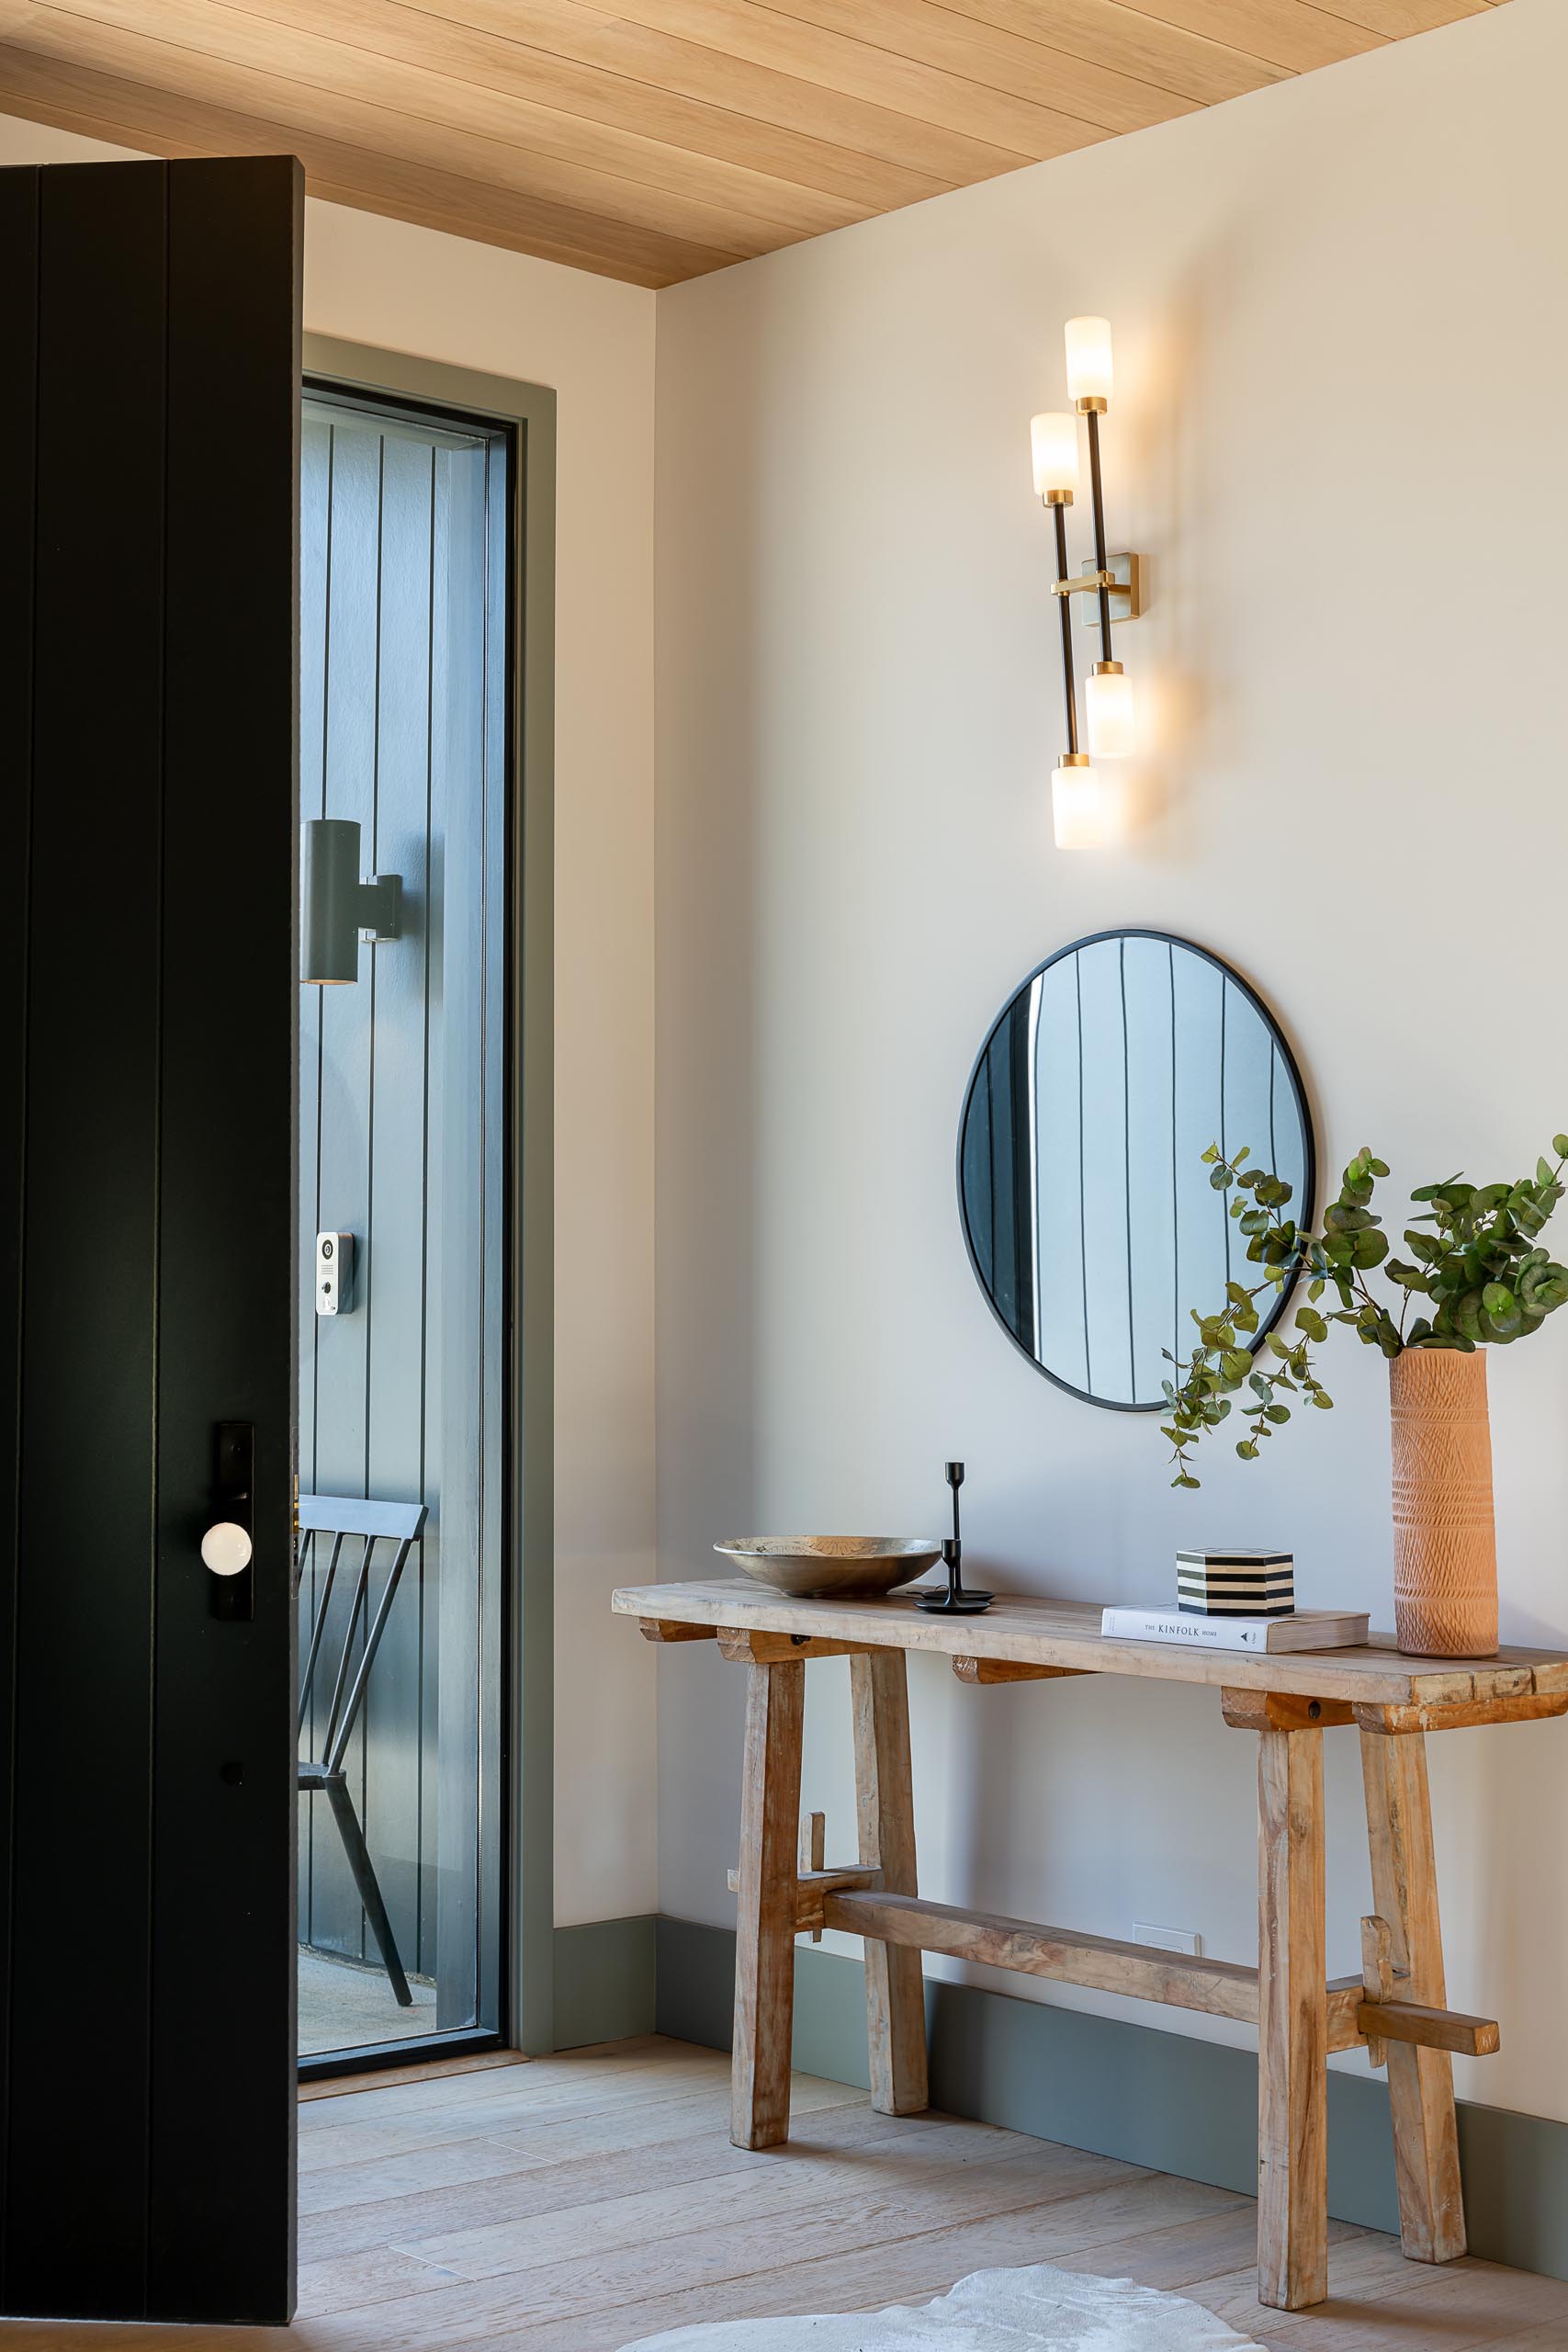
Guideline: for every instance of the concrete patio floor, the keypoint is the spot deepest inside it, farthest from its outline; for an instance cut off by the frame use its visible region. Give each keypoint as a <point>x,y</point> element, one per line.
<point>344,2005</point>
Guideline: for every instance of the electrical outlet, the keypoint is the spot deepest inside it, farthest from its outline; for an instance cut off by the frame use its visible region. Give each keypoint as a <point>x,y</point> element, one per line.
<point>1167,1938</point>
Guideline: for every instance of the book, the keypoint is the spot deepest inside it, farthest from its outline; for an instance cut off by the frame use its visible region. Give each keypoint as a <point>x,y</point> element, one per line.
<point>1235,1583</point>
<point>1307,1629</point>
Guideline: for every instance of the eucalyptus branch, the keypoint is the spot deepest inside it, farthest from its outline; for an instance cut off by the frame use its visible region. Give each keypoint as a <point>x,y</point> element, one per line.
<point>1489,1280</point>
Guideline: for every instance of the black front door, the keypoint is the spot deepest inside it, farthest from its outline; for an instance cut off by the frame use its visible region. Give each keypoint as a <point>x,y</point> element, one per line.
<point>149,430</point>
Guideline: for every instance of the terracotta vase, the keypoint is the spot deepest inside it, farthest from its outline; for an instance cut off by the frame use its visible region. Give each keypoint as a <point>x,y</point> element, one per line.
<point>1445,1550</point>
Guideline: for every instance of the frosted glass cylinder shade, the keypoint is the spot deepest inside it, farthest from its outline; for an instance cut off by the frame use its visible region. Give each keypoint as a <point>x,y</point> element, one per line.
<point>1089,358</point>
<point>1077,815</point>
<point>1107,696</point>
<point>1054,443</point>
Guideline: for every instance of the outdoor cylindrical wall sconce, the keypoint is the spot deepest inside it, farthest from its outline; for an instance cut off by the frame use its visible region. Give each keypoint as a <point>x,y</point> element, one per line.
<point>337,908</point>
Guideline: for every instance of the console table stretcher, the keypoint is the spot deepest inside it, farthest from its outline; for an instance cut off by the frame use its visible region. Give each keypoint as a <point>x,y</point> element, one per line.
<point>1396,2009</point>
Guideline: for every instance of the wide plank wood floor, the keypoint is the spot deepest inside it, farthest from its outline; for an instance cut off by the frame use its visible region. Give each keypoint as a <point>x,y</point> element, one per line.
<point>575,2204</point>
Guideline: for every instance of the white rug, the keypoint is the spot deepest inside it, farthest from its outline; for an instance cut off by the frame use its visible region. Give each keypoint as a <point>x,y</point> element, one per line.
<point>1038,2309</point>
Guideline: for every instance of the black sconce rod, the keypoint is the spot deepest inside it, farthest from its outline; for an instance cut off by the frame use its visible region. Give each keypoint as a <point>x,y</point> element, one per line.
<point>1100,565</point>
<point>1068,687</point>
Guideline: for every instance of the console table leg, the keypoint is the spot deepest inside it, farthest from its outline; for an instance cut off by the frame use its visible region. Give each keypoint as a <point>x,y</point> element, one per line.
<point>1293,2024</point>
<point>1420,2081</point>
<point>765,1950</point>
<point>895,1993</point>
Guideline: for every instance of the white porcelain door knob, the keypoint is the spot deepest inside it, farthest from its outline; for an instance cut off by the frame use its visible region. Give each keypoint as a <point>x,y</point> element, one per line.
<point>226,1549</point>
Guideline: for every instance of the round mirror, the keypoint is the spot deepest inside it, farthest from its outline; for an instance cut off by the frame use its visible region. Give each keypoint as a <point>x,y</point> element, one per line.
<point>1091,1223</point>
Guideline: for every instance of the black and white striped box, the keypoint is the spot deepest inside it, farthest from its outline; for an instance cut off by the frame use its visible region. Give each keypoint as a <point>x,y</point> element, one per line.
<point>1235,1584</point>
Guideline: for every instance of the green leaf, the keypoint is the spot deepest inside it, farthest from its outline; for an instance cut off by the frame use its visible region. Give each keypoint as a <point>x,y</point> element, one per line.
<point>1410,1276</point>
<point>1322,1400</point>
<point>1466,1312</point>
<point>1498,1300</point>
<point>1186,1479</point>
<point>1246,1448</point>
<point>1311,1324</point>
<point>1277,1413</point>
<point>1560,1146</point>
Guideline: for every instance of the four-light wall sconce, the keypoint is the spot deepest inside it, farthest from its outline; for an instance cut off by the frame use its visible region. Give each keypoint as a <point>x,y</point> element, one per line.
<point>1115,582</point>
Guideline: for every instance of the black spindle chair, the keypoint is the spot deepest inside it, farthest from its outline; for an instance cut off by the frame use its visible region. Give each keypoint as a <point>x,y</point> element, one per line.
<point>322,1772</point>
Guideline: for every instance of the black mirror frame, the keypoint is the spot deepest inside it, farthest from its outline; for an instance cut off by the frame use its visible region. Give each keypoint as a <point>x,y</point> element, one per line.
<point>1309,1184</point>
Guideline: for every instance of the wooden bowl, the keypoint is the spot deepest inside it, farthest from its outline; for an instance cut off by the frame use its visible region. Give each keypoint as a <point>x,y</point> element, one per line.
<point>818,1567</point>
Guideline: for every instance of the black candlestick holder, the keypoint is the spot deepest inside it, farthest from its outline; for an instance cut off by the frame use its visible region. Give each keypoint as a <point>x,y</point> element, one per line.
<point>957,1599</point>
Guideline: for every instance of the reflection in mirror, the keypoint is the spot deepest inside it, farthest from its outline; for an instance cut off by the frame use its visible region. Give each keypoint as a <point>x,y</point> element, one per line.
<point>1090,1219</point>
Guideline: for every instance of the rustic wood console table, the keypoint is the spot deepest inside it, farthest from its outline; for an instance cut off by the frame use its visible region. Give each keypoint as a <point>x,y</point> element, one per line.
<point>1396,2009</point>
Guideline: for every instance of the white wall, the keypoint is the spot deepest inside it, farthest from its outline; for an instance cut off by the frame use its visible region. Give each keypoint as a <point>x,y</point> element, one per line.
<point>1343,380</point>
<point>398,288</point>
<point>402,288</point>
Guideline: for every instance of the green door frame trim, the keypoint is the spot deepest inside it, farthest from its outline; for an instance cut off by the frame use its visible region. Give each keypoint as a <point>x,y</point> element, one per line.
<point>531,410</point>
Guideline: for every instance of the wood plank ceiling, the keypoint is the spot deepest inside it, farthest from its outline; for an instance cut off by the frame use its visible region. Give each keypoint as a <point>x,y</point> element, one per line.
<point>653,140</point>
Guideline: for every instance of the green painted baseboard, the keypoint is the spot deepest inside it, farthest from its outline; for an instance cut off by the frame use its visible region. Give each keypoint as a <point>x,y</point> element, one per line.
<point>1151,2098</point>
<point>605,1974</point>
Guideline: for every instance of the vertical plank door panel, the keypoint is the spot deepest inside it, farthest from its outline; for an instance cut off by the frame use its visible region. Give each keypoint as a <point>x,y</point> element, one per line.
<point>500,458</point>
<point>145,2138</point>
<point>439,1924</point>
<point>347,1108</point>
<point>315,561</point>
<point>223,1955</point>
<point>19,200</point>
<point>396,1434</point>
<point>81,1842</point>
<point>457,1244</point>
